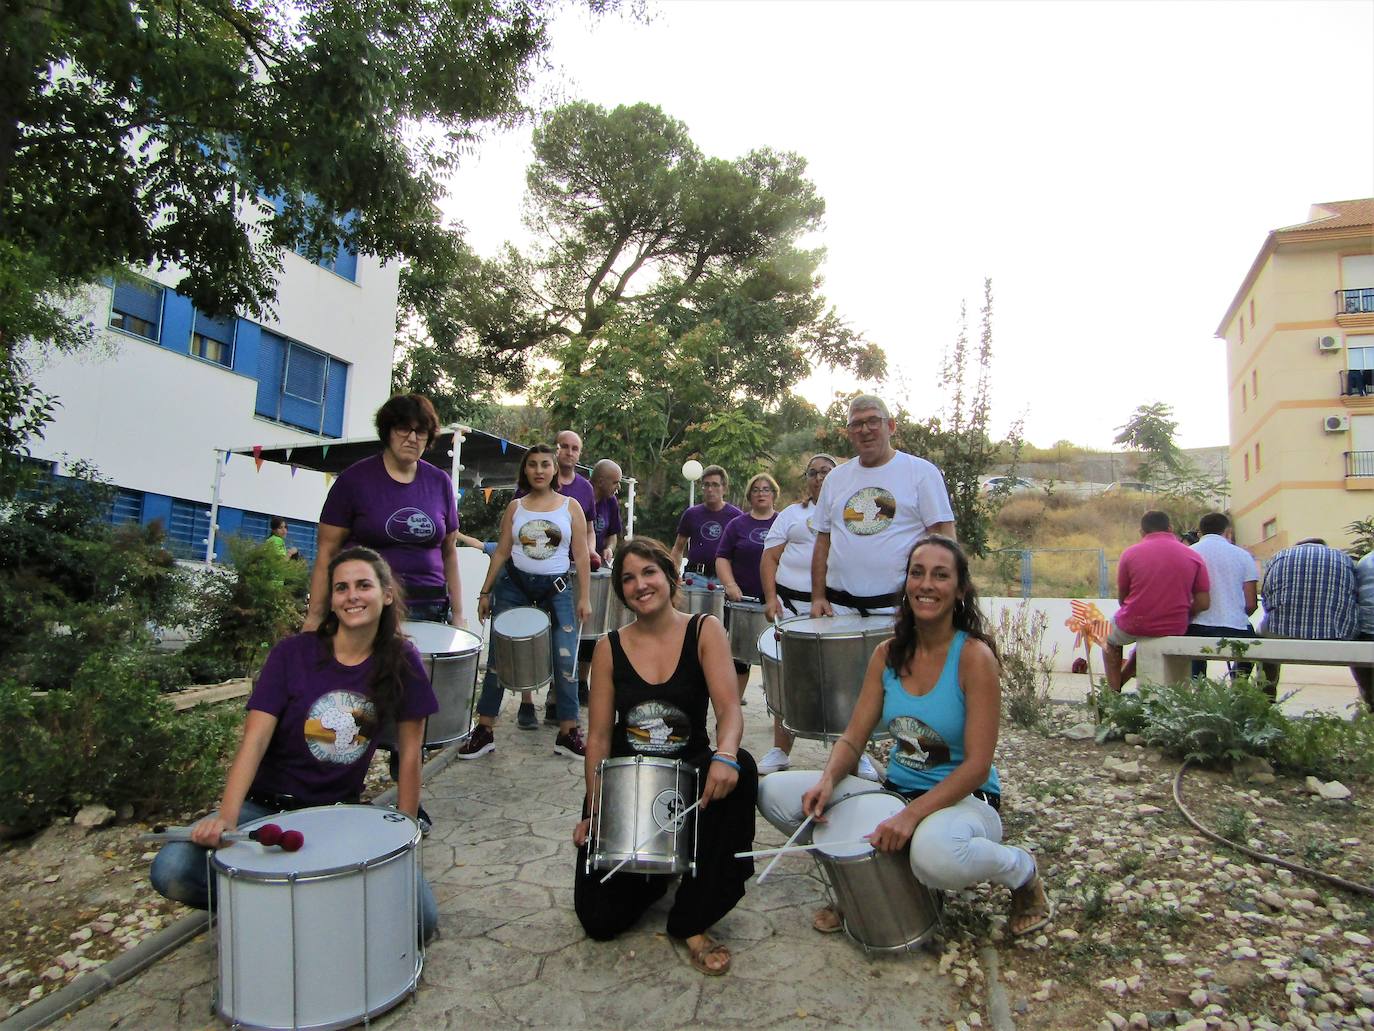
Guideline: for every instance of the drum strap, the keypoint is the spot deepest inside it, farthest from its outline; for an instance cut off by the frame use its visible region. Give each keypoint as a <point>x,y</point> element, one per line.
<point>535,598</point>
<point>911,794</point>
<point>788,594</point>
<point>426,592</point>
<point>863,603</point>
<point>696,567</point>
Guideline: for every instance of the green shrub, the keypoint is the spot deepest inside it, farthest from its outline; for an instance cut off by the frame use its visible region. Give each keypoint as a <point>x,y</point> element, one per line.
<point>1026,667</point>
<point>1326,745</point>
<point>242,609</point>
<point>1211,721</point>
<point>111,737</point>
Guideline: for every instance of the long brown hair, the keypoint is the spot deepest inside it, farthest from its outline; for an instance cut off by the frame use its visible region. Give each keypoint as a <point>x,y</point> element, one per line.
<point>967,616</point>
<point>649,550</point>
<point>389,648</point>
<point>521,480</point>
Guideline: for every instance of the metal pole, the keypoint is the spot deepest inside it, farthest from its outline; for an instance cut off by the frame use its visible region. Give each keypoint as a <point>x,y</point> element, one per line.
<point>630,524</point>
<point>691,493</point>
<point>1026,575</point>
<point>456,467</point>
<point>1102,573</point>
<point>214,505</point>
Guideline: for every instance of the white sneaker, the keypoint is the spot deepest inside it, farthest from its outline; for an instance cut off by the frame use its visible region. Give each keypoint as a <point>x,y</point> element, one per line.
<point>775,760</point>
<point>867,770</point>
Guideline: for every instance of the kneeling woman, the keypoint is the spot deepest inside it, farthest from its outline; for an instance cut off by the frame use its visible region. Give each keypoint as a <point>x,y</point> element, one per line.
<point>312,723</point>
<point>651,681</point>
<point>934,686</point>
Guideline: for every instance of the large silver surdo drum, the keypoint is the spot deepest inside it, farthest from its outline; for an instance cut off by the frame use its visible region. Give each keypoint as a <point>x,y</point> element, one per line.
<point>698,594</point>
<point>746,620</point>
<point>639,817</point>
<point>450,656</point>
<point>599,596</point>
<point>824,659</point>
<point>522,649</point>
<point>769,645</point>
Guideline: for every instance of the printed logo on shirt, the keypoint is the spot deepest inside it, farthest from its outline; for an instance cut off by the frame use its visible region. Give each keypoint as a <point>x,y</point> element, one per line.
<point>540,538</point>
<point>758,535</point>
<point>712,531</point>
<point>409,526</point>
<point>917,746</point>
<point>340,726</point>
<point>601,522</point>
<point>869,511</point>
<point>657,728</point>
<point>668,810</point>
<point>809,528</point>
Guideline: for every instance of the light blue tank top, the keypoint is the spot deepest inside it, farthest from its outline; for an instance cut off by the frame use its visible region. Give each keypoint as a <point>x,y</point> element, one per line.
<point>928,731</point>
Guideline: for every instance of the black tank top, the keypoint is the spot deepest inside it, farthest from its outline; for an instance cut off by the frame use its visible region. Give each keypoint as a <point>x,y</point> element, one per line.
<point>667,719</point>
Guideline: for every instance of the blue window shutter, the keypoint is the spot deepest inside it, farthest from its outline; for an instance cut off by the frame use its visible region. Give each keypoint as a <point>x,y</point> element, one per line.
<point>271,367</point>
<point>140,299</point>
<point>305,374</point>
<point>247,341</point>
<point>187,528</point>
<point>346,264</point>
<point>127,506</point>
<point>177,316</point>
<point>301,535</point>
<point>335,393</point>
<point>254,525</point>
<point>221,329</point>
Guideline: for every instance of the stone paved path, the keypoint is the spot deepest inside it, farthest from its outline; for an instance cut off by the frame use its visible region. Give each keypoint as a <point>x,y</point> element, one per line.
<point>512,953</point>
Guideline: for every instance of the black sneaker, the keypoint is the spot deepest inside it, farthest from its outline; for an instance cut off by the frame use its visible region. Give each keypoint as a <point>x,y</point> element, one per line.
<point>570,743</point>
<point>525,719</point>
<point>479,743</point>
<point>550,713</point>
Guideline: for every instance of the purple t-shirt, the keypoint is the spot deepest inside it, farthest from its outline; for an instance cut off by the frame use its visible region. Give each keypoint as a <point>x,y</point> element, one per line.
<point>580,489</point>
<point>742,544</point>
<point>606,521</point>
<point>404,522</point>
<point>703,530</point>
<point>326,721</point>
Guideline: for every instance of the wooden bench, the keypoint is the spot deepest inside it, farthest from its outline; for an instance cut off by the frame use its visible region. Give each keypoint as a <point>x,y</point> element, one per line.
<point>1168,660</point>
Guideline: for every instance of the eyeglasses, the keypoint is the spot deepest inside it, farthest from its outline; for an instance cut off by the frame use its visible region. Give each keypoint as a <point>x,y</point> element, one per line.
<point>709,484</point>
<point>762,488</point>
<point>870,424</point>
<point>410,431</point>
<point>817,474</point>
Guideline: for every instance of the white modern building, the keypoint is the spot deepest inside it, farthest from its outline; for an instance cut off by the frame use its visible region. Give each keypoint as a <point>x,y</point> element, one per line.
<point>166,387</point>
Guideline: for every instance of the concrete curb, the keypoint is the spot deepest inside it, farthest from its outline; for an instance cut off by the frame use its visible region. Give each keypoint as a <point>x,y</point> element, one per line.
<point>147,952</point>
<point>999,1009</point>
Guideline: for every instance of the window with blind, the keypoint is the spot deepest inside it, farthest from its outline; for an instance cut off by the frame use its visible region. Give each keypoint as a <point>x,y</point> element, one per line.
<point>300,386</point>
<point>213,339</point>
<point>137,308</point>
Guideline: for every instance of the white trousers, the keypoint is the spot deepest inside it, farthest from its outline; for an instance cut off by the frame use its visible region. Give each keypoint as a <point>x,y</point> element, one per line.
<point>951,849</point>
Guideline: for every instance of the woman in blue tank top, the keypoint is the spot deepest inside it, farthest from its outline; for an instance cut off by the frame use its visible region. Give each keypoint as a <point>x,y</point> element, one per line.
<point>935,688</point>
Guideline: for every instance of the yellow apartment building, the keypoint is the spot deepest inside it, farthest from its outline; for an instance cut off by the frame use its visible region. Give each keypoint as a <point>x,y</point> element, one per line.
<point>1300,381</point>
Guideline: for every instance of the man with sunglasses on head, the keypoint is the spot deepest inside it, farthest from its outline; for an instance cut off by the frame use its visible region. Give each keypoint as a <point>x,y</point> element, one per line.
<point>871,512</point>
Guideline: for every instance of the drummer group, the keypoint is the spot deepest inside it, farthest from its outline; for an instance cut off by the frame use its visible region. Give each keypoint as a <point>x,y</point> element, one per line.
<point>873,537</point>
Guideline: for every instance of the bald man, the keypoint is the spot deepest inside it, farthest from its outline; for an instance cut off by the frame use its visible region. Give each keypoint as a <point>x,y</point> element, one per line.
<point>606,508</point>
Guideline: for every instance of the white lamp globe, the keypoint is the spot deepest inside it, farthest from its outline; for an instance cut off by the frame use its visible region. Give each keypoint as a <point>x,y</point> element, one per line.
<point>691,469</point>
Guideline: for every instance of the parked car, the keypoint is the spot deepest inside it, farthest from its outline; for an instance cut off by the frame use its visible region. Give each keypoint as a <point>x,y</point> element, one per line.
<point>1008,484</point>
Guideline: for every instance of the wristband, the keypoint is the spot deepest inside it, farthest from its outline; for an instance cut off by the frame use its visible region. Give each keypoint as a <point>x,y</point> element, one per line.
<point>728,762</point>
<point>728,755</point>
<point>845,741</point>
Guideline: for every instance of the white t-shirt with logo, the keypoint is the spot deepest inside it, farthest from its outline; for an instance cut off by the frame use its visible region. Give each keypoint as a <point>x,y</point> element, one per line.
<point>794,531</point>
<point>875,515</point>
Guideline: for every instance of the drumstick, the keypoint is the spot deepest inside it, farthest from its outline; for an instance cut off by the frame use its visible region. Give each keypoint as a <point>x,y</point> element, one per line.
<point>787,844</point>
<point>268,835</point>
<point>800,848</point>
<point>652,834</point>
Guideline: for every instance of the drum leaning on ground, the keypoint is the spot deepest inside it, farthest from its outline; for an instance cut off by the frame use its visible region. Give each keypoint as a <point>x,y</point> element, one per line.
<point>639,816</point>
<point>326,937</point>
<point>824,659</point>
<point>884,907</point>
<point>699,595</point>
<point>769,645</point>
<point>745,620</point>
<point>450,655</point>
<point>599,595</point>
<point>521,649</point>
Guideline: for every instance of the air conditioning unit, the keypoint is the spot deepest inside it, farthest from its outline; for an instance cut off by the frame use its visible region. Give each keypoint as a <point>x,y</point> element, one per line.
<point>1336,423</point>
<point>1328,344</point>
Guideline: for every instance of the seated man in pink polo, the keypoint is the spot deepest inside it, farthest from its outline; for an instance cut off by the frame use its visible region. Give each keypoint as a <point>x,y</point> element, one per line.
<point>1161,584</point>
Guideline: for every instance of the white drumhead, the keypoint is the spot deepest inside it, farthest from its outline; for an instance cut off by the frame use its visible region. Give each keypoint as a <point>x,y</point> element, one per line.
<point>526,621</point>
<point>440,638</point>
<point>851,818</point>
<point>770,645</point>
<point>827,626</point>
<point>336,836</point>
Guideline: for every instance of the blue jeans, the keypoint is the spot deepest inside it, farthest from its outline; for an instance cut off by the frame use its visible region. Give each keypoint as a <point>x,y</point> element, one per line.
<point>562,613</point>
<point>180,873</point>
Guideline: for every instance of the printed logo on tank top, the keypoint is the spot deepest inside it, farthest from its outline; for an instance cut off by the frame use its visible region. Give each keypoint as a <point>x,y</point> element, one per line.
<point>711,531</point>
<point>339,727</point>
<point>657,728</point>
<point>409,526</point>
<point>667,810</point>
<point>540,538</point>
<point>809,528</point>
<point>869,511</point>
<point>758,535</point>
<point>915,745</point>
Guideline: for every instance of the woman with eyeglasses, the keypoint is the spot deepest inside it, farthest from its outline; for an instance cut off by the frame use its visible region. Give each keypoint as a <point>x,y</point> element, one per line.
<point>403,508</point>
<point>741,548</point>
<point>785,573</point>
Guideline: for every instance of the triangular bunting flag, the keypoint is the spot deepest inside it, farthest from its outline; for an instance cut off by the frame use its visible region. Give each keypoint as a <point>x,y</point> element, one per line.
<point>328,480</point>
<point>294,469</point>
<point>486,494</point>
<point>226,457</point>
<point>288,453</point>
<point>461,492</point>
<point>324,452</point>
<point>257,456</point>
<point>503,445</point>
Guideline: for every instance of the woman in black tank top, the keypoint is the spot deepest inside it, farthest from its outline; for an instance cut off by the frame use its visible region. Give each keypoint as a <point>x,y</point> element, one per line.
<point>651,684</point>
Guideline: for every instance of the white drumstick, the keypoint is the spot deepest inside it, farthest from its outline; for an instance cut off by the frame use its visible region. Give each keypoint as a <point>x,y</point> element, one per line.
<point>652,834</point>
<point>785,849</point>
<point>787,844</point>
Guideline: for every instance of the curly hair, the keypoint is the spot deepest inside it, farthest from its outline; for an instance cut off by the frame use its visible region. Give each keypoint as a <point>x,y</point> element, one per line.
<point>649,550</point>
<point>407,410</point>
<point>390,648</point>
<point>967,616</point>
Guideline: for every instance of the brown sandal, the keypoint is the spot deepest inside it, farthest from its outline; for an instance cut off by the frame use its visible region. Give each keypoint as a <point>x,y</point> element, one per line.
<point>827,920</point>
<point>1030,900</point>
<point>699,956</point>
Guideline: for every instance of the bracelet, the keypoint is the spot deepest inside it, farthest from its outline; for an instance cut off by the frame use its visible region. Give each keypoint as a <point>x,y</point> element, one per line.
<point>484,594</point>
<point>842,740</point>
<point>730,755</point>
<point>728,762</point>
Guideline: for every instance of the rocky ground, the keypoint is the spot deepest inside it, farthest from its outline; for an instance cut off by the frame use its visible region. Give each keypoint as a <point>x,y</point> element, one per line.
<point>1156,926</point>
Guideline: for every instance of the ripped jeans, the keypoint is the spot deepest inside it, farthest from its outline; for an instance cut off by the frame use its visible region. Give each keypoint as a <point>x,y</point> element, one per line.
<point>561,607</point>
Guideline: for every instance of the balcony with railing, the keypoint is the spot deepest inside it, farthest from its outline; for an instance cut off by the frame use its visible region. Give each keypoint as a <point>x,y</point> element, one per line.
<point>1356,382</point>
<point>1359,463</point>
<point>1355,302</point>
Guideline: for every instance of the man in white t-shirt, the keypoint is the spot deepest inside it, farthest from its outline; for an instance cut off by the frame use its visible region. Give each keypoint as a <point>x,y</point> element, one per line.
<point>1234,594</point>
<point>871,512</point>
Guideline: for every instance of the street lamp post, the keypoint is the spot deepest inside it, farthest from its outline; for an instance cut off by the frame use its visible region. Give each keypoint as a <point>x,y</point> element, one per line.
<point>691,471</point>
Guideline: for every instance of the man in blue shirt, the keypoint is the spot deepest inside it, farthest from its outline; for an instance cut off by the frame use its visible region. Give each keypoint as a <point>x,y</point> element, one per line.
<point>1364,587</point>
<point>1309,594</point>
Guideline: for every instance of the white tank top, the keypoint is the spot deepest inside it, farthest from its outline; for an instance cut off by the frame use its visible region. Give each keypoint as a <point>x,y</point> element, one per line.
<point>542,540</point>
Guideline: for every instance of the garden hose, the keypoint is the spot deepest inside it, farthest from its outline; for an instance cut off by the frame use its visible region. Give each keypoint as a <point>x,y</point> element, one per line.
<point>1305,871</point>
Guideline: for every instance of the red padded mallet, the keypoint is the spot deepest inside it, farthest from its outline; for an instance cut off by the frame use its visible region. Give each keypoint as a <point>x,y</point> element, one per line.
<point>268,835</point>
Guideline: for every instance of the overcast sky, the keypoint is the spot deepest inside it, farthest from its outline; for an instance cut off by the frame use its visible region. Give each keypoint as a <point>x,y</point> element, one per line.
<point>1114,167</point>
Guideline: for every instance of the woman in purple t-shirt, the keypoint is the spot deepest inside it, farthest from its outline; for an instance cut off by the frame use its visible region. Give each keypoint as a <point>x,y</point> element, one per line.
<point>403,508</point>
<point>741,550</point>
<point>312,723</point>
